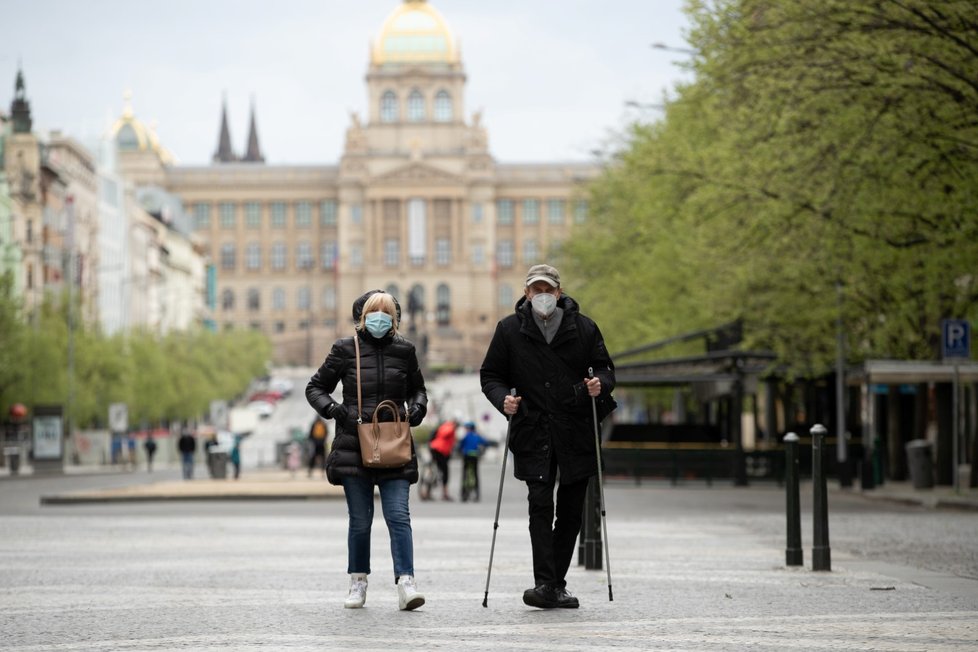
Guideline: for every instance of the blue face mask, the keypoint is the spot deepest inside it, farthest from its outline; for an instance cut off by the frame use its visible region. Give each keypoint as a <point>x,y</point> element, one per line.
<point>378,323</point>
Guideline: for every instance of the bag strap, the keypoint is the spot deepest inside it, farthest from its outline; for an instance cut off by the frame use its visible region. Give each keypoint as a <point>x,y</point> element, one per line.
<point>356,345</point>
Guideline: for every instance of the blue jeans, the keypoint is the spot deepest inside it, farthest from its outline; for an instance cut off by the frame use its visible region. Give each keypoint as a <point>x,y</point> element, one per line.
<point>360,504</point>
<point>187,460</point>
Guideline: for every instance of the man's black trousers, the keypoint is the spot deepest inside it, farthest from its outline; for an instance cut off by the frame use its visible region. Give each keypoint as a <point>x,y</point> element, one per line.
<point>554,542</point>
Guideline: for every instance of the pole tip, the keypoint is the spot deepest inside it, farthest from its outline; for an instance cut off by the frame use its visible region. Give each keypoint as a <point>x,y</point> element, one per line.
<point>819,430</point>
<point>791,437</point>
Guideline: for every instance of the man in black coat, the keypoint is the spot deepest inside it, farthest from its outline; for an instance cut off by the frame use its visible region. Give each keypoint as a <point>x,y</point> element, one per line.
<point>544,350</point>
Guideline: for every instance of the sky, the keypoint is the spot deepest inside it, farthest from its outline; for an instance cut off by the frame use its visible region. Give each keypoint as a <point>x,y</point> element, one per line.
<point>552,78</point>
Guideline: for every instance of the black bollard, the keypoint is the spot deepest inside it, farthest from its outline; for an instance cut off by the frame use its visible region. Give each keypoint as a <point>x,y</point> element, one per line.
<point>794,556</point>
<point>589,551</point>
<point>821,553</point>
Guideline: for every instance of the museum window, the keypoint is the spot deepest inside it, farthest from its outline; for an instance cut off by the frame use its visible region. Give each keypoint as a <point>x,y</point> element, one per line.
<point>356,213</point>
<point>392,252</point>
<point>227,255</point>
<point>356,256</point>
<point>478,254</point>
<point>555,211</point>
<point>253,215</point>
<point>531,211</point>
<point>477,213</point>
<point>327,253</point>
<point>303,298</point>
<point>443,305</point>
<point>393,290</point>
<point>278,299</point>
<point>443,107</point>
<point>254,299</point>
<point>202,216</point>
<point>415,106</point>
<point>226,210</point>
<point>329,298</point>
<point>504,253</point>
<point>278,214</point>
<point>327,212</point>
<point>303,256</point>
<point>505,295</point>
<point>227,299</point>
<point>253,256</point>
<point>417,230</point>
<point>278,256</point>
<point>530,252</point>
<point>388,107</point>
<point>504,211</point>
<point>443,251</point>
<point>580,211</point>
<point>303,215</point>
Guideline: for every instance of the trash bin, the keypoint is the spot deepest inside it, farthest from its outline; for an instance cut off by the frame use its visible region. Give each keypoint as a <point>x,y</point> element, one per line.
<point>12,454</point>
<point>219,465</point>
<point>920,461</point>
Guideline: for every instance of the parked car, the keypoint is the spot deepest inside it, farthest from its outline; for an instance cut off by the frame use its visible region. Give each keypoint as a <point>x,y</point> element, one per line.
<point>268,396</point>
<point>263,408</point>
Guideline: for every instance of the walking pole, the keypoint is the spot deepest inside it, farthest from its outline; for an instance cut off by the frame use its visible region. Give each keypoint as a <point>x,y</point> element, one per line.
<point>604,520</point>
<point>499,500</point>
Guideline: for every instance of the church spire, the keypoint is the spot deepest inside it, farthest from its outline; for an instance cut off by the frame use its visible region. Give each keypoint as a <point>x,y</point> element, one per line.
<point>224,153</point>
<point>20,108</point>
<point>253,151</point>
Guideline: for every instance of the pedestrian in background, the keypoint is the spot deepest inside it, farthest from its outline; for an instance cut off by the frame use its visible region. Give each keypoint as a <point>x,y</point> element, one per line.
<point>389,370</point>
<point>471,447</point>
<point>441,445</point>
<point>150,446</point>
<point>187,445</point>
<point>317,440</point>
<point>544,349</point>
<point>235,456</point>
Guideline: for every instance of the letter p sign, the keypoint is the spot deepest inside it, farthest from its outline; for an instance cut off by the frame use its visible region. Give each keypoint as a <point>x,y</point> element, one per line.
<point>955,338</point>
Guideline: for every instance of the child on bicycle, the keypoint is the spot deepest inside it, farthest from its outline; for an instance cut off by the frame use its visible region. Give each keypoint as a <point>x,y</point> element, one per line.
<point>471,448</point>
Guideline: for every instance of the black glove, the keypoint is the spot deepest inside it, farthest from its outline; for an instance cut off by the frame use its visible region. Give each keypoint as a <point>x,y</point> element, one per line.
<point>338,412</point>
<point>416,414</point>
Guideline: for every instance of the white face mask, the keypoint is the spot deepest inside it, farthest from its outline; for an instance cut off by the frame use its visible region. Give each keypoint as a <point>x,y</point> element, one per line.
<point>544,304</point>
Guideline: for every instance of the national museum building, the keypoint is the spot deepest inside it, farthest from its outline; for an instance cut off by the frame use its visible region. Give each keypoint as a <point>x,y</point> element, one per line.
<point>417,205</point>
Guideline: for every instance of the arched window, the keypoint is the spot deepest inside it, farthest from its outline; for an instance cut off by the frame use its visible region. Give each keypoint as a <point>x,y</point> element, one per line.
<point>393,290</point>
<point>254,299</point>
<point>388,107</point>
<point>415,106</point>
<point>227,299</point>
<point>443,308</point>
<point>443,107</point>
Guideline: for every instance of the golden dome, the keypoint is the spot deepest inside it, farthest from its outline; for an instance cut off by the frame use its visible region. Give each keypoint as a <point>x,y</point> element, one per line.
<point>415,33</point>
<point>132,135</point>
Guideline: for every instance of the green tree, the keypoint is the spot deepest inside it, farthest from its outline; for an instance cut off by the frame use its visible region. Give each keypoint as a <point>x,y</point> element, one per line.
<point>825,150</point>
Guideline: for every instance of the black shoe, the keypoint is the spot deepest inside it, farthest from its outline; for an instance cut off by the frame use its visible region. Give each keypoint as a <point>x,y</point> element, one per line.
<point>565,600</point>
<point>542,597</point>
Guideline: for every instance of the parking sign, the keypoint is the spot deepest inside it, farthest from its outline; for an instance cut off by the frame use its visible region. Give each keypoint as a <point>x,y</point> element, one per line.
<point>955,339</point>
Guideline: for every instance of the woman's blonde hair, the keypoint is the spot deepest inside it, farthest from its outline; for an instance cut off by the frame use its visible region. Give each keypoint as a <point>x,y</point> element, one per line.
<point>383,302</point>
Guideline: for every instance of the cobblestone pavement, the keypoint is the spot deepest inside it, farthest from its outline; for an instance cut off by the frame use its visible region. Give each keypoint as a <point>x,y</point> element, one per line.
<point>692,569</point>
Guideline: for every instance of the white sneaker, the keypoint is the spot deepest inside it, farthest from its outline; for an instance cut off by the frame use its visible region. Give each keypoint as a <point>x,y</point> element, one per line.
<point>408,597</point>
<point>358,591</point>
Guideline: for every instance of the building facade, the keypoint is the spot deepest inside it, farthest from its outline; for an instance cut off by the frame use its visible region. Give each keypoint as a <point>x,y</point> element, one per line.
<point>416,205</point>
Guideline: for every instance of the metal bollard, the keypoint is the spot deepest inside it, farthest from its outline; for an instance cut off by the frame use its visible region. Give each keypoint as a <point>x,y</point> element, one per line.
<point>794,556</point>
<point>590,549</point>
<point>821,553</point>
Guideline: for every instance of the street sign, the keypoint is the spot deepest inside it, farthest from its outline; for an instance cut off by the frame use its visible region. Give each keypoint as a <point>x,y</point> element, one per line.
<point>955,339</point>
<point>118,417</point>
